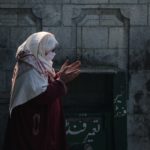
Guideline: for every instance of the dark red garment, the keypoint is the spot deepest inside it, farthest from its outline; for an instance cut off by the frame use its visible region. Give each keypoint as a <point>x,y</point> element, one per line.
<point>39,123</point>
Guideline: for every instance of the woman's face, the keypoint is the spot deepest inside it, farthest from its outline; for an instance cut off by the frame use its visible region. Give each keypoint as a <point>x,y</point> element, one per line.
<point>50,56</point>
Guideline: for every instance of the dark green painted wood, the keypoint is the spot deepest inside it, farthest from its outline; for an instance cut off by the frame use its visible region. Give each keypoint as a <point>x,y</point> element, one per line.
<point>120,91</point>
<point>96,100</point>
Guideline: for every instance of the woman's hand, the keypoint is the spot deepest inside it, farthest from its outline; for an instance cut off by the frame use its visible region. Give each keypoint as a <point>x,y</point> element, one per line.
<point>68,72</point>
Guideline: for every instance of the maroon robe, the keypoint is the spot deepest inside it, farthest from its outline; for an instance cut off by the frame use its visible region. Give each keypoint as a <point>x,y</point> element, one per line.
<point>39,123</point>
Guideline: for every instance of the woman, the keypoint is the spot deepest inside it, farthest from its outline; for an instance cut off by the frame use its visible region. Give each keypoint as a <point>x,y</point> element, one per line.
<point>36,119</point>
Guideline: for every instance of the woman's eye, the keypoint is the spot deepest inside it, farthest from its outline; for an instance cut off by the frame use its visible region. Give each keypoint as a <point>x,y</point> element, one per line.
<point>53,50</point>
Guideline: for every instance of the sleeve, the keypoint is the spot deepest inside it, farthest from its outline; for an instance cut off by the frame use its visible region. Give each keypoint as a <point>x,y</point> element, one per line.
<point>55,89</point>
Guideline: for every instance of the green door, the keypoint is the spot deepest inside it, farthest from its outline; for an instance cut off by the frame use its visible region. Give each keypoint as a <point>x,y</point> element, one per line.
<point>91,109</point>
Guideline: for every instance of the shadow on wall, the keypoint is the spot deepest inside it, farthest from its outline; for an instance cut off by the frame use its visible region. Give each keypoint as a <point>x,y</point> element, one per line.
<point>147,56</point>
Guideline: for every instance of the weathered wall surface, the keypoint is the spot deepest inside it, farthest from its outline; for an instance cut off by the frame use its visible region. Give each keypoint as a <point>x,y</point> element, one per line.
<point>111,33</point>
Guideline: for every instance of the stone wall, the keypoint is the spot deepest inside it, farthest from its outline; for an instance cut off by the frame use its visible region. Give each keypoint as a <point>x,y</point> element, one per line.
<point>117,31</point>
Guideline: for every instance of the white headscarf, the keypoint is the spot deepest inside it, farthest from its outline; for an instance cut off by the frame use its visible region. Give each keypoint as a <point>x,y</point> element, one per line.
<point>34,65</point>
